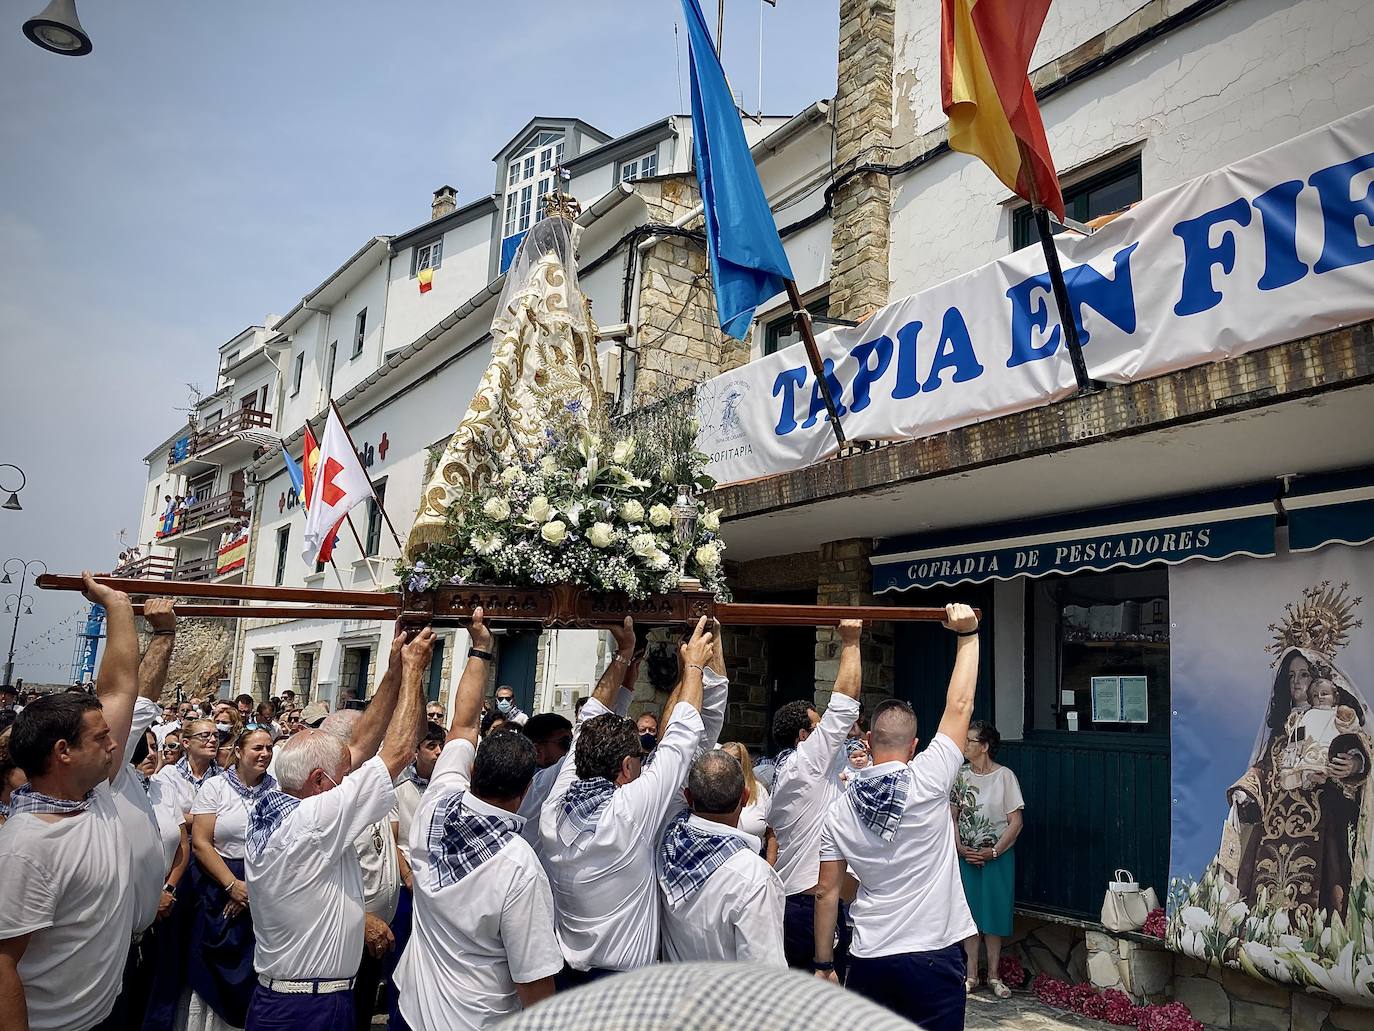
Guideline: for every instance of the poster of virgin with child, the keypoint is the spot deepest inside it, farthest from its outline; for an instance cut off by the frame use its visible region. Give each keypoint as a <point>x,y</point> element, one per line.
<point>1272,850</point>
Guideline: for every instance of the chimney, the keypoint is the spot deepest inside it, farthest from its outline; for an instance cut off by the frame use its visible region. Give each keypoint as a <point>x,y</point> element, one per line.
<point>445,202</point>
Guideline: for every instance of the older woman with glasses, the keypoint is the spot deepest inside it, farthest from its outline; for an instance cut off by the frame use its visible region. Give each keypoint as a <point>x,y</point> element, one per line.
<point>987,807</point>
<point>220,964</point>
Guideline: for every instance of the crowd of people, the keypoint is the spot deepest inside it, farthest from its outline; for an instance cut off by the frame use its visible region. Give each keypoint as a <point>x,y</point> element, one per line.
<point>220,865</point>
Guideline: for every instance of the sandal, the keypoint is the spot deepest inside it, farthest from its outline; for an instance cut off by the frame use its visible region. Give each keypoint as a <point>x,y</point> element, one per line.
<point>999,989</point>
<point>970,985</point>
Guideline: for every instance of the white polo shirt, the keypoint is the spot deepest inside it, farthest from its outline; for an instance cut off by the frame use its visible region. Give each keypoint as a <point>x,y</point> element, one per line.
<point>604,886</point>
<point>66,881</point>
<point>803,788</point>
<point>736,915</point>
<point>911,898</point>
<point>472,941</point>
<point>307,886</point>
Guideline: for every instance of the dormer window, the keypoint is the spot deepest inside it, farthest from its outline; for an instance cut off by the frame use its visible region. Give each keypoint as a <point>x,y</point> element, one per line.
<point>530,174</point>
<point>642,167</point>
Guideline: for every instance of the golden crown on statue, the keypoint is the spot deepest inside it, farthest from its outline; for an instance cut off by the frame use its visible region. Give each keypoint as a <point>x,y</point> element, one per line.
<point>560,205</point>
<point>1320,623</point>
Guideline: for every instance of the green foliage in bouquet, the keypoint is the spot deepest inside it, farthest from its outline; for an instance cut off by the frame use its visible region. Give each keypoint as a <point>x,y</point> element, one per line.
<point>586,510</point>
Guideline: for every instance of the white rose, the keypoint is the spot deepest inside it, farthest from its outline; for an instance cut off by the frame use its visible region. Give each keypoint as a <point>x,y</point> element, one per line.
<point>632,512</point>
<point>707,556</point>
<point>539,509</point>
<point>547,465</point>
<point>623,451</point>
<point>601,535</point>
<point>555,531</point>
<point>710,521</point>
<point>643,545</point>
<point>660,515</point>
<point>496,508</point>
<point>512,474</point>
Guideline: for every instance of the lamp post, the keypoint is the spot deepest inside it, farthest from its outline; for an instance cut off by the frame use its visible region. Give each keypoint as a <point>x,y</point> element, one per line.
<point>22,602</point>
<point>12,502</point>
<point>57,30</point>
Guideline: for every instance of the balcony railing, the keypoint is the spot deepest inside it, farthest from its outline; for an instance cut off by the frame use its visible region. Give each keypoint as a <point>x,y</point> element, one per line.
<point>196,569</point>
<point>150,567</point>
<point>230,505</point>
<point>217,433</point>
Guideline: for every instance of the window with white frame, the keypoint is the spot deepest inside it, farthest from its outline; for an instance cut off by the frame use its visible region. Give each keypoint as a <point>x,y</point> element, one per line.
<point>530,174</point>
<point>641,167</point>
<point>427,255</point>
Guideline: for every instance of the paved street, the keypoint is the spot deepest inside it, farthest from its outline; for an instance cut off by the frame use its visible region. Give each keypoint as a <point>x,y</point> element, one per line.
<point>1022,1012</point>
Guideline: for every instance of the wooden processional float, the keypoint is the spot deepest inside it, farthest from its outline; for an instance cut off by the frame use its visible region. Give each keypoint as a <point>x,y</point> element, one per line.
<point>559,607</point>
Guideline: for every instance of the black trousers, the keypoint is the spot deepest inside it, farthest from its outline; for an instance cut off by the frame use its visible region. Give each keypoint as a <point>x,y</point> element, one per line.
<point>799,933</point>
<point>567,979</point>
<point>925,987</point>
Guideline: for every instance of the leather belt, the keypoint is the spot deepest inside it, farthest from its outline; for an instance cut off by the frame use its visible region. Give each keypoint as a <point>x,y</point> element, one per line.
<point>343,984</point>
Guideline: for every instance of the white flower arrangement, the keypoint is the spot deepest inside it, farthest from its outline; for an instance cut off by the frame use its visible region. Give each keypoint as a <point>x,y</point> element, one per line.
<point>586,511</point>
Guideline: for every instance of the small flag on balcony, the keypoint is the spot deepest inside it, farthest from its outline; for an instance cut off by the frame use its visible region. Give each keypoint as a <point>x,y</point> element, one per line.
<point>985,52</point>
<point>426,278</point>
<point>748,263</point>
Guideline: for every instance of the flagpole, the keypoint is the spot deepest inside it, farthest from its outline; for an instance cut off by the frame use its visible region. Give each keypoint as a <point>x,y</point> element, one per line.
<point>375,500</point>
<point>1058,287</point>
<point>813,355</point>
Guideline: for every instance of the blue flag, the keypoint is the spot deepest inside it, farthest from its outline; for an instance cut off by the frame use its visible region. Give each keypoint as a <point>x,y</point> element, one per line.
<point>293,470</point>
<point>748,264</point>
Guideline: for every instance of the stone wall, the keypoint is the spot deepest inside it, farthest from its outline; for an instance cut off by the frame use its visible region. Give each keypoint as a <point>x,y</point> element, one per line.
<point>201,656</point>
<point>844,577</point>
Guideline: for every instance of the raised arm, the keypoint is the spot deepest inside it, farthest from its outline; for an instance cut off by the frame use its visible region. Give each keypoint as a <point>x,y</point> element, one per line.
<point>472,685</point>
<point>117,679</point>
<point>608,687</point>
<point>398,750</point>
<point>152,670</point>
<point>367,734</point>
<point>964,680</point>
<point>849,679</point>
<point>695,654</point>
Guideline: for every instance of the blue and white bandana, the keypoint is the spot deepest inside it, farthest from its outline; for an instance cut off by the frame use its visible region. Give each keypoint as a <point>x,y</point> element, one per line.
<point>879,802</point>
<point>25,799</point>
<point>249,795</point>
<point>582,807</point>
<point>689,856</point>
<point>183,767</point>
<point>781,758</point>
<point>413,775</point>
<point>461,840</point>
<point>267,816</point>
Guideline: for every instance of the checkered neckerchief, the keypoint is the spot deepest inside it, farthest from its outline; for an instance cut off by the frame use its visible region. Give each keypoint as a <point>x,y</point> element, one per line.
<point>413,775</point>
<point>249,795</point>
<point>183,767</point>
<point>461,840</point>
<point>25,799</point>
<point>880,801</point>
<point>582,805</point>
<point>689,856</point>
<point>271,810</point>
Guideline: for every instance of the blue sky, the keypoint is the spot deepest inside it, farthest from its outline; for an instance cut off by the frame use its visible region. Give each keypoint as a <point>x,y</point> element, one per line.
<point>210,163</point>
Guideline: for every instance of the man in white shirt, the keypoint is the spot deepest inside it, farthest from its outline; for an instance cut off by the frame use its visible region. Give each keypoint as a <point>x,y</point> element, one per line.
<point>803,788</point>
<point>304,878</point>
<point>551,735</point>
<point>66,909</point>
<point>604,816</point>
<point>506,707</point>
<point>893,830</point>
<point>722,901</point>
<point>483,944</point>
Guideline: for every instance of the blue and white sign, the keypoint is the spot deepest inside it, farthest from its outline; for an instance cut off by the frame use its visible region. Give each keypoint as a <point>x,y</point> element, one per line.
<point>1275,247</point>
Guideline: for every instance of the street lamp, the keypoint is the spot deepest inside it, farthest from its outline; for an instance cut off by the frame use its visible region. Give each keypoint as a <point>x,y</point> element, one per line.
<point>12,502</point>
<point>56,29</point>
<point>22,603</point>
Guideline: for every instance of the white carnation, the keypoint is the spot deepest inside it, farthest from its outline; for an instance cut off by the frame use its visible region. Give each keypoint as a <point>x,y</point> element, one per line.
<point>707,556</point>
<point>659,560</point>
<point>643,545</point>
<point>496,508</point>
<point>512,474</point>
<point>547,465</point>
<point>660,515</point>
<point>555,531</point>
<point>601,535</point>
<point>632,512</point>
<point>710,521</point>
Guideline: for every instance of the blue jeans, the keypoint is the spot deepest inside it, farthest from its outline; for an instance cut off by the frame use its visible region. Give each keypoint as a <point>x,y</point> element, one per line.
<point>925,987</point>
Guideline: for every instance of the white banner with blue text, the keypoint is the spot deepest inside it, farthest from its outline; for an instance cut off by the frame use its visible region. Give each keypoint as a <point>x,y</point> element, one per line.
<point>1277,246</point>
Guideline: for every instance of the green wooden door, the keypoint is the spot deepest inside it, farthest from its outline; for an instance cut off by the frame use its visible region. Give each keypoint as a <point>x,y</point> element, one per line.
<point>924,657</point>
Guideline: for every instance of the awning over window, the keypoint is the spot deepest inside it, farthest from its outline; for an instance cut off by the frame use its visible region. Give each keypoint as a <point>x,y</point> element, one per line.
<point>1211,526</point>
<point>1336,508</point>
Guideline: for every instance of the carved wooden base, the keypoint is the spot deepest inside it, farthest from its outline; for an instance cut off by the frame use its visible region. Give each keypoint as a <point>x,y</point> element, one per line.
<point>563,606</point>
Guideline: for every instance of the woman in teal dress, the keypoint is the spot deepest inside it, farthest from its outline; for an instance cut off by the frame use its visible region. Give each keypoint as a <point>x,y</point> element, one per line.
<point>987,805</point>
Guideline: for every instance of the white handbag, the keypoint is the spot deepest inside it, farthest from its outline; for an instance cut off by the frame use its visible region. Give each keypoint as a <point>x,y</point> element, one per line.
<point>1125,906</point>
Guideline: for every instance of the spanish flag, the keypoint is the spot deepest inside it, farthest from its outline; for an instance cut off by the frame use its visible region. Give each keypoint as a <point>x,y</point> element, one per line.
<point>426,278</point>
<point>985,52</point>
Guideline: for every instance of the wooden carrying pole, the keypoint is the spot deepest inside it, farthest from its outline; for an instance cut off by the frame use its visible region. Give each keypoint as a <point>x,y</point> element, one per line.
<point>279,612</point>
<point>813,355</point>
<point>228,592</point>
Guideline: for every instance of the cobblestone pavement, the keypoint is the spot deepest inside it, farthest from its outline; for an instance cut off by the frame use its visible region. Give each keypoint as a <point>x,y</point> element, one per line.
<point>1024,1013</point>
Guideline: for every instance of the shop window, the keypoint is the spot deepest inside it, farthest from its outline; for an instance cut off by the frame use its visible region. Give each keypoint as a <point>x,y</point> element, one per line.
<point>782,332</point>
<point>1098,653</point>
<point>1102,194</point>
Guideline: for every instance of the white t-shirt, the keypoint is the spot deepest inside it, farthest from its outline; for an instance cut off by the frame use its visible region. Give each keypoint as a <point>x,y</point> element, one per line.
<point>753,818</point>
<point>803,788</point>
<point>66,880</point>
<point>604,885</point>
<point>307,886</point>
<point>911,898</point>
<point>472,941</point>
<point>231,815</point>
<point>736,915</point>
<point>135,806</point>
<point>984,802</point>
<point>182,792</point>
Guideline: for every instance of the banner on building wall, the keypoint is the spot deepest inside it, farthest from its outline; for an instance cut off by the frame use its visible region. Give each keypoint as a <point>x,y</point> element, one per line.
<point>1272,844</point>
<point>1277,246</point>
